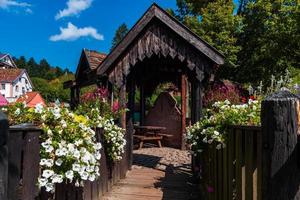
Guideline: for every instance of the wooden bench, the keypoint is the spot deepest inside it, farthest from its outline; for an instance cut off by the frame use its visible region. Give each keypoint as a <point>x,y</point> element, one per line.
<point>143,138</point>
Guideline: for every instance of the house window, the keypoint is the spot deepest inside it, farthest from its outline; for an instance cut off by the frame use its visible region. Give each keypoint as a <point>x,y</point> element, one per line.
<point>17,88</point>
<point>23,90</point>
<point>26,81</point>
<point>3,86</point>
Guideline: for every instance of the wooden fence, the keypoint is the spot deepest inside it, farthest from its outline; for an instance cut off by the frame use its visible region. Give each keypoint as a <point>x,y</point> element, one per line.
<point>20,180</point>
<point>234,172</point>
<point>258,162</point>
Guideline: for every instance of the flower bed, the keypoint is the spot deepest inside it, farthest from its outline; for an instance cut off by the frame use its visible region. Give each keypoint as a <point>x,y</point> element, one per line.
<point>213,126</point>
<point>70,152</point>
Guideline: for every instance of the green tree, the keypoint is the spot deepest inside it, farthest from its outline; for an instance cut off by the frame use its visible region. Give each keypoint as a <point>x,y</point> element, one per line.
<point>119,35</point>
<point>215,22</point>
<point>270,40</point>
<point>21,62</point>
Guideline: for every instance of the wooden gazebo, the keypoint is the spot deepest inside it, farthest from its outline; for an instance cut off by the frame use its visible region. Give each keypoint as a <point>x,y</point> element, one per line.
<point>157,49</point>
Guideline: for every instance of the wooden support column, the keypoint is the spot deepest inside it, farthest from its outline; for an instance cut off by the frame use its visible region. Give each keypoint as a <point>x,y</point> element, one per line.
<point>72,98</point>
<point>142,104</point>
<point>196,101</point>
<point>130,122</point>
<point>183,109</point>
<point>131,101</point>
<point>77,96</point>
<point>123,104</point>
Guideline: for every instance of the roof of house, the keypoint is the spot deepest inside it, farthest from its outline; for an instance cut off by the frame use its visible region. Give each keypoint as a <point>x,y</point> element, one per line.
<point>156,12</point>
<point>3,101</point>
<point>2,55</point>
<point>10,75</point>
<point>31,99</point>
<point>94,58</point>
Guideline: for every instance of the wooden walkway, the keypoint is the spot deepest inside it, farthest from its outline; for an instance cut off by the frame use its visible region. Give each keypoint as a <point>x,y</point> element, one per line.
<point>152,179</point>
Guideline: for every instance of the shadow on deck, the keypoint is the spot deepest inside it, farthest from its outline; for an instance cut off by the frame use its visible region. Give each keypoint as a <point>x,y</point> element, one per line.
<point>156,176</point>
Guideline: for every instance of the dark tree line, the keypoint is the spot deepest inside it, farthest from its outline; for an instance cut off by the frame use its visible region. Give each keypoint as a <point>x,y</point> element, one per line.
<point>41,70</point>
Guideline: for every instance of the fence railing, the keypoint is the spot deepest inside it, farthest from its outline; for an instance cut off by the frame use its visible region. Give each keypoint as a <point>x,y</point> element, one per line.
<point>233,172</point>
<point>258,162</point>
<point>19,181</point>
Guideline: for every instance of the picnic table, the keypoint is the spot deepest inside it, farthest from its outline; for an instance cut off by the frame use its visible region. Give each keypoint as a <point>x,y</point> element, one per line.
<point>149,133</point>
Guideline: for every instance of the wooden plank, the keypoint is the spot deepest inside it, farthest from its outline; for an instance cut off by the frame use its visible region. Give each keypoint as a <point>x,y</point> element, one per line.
<point>31,165</point>
<point>3,156</point>
<point>230,145</point>
<point>238,164</point>
<point>225,174</point>
<point>248,165</point>
<point>15,146</point>
<point>259,164</point>
<point>220,174</point>
<point>214,185</point>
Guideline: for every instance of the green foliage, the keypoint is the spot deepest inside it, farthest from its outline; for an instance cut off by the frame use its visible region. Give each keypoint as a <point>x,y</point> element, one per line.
<point>53,90</point>
<point>213,126</point>
<point>119,35</point>
<point>270,40</point>
<point>215,22</point>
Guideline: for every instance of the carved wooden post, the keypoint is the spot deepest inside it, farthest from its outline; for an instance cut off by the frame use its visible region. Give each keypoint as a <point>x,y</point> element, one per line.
<point>3,156</point>
<point>280,173</point>
<point>183,110</point>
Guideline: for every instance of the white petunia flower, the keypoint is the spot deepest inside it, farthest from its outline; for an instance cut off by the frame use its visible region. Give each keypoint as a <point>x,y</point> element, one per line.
<point>70,175</point>
<point>47,173</point>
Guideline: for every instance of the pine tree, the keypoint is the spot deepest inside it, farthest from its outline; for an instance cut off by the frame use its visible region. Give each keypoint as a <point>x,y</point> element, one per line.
<point>119,35</point>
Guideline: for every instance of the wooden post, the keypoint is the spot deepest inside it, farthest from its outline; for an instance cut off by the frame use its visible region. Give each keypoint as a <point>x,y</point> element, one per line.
<point>183,110</point>
<point>142,104</point>
<point>131,100</point>
<point>3,156</point>
<point>196,101</point>
<point>123,104</point>
<point>130,122</point>
<point>77,96</point>
<point>280,172</point>
<point>72,98</point>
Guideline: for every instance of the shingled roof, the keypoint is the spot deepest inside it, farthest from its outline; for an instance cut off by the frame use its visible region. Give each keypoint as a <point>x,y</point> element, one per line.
<point>10,75</point>
<point>94,58</point>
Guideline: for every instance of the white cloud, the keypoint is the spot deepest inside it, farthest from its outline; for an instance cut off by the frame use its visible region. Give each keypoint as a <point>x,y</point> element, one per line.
<point>6,4</point>
<point>74,7</point>
<point>72,33</point>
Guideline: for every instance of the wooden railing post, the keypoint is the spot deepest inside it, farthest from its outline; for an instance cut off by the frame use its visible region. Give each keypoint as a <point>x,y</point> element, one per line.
<point>3,156</point>
<point>280,173</point>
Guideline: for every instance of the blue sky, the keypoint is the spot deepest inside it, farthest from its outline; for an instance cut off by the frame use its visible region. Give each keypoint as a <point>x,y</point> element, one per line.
<point>27,26</point>
<point>58,29</point>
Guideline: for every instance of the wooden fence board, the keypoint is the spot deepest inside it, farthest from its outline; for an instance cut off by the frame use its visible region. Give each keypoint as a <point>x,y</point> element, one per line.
<point>15,146</point>
<point>248,165</point>
<point>238,165</point>
<point>31,165</point>
<point>230,166</point>
<point>225,174</point>
<point>259,165</point>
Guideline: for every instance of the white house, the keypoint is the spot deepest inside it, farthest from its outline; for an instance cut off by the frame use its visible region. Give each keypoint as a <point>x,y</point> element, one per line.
<point>14,82</point>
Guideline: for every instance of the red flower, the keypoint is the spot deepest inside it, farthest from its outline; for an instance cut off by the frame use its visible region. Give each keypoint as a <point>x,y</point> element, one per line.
<point>252,97</point>
<point>244,100</point>
<point>115,106</point>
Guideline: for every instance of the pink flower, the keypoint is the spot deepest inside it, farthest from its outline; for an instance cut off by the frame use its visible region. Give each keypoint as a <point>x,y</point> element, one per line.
<point>115,106</point>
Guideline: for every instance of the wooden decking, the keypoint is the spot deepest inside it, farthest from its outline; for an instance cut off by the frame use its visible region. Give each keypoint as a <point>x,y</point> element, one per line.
<point>152,179</point>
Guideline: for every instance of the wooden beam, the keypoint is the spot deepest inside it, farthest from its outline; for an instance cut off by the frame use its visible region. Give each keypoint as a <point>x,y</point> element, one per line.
<point>183,109</point>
